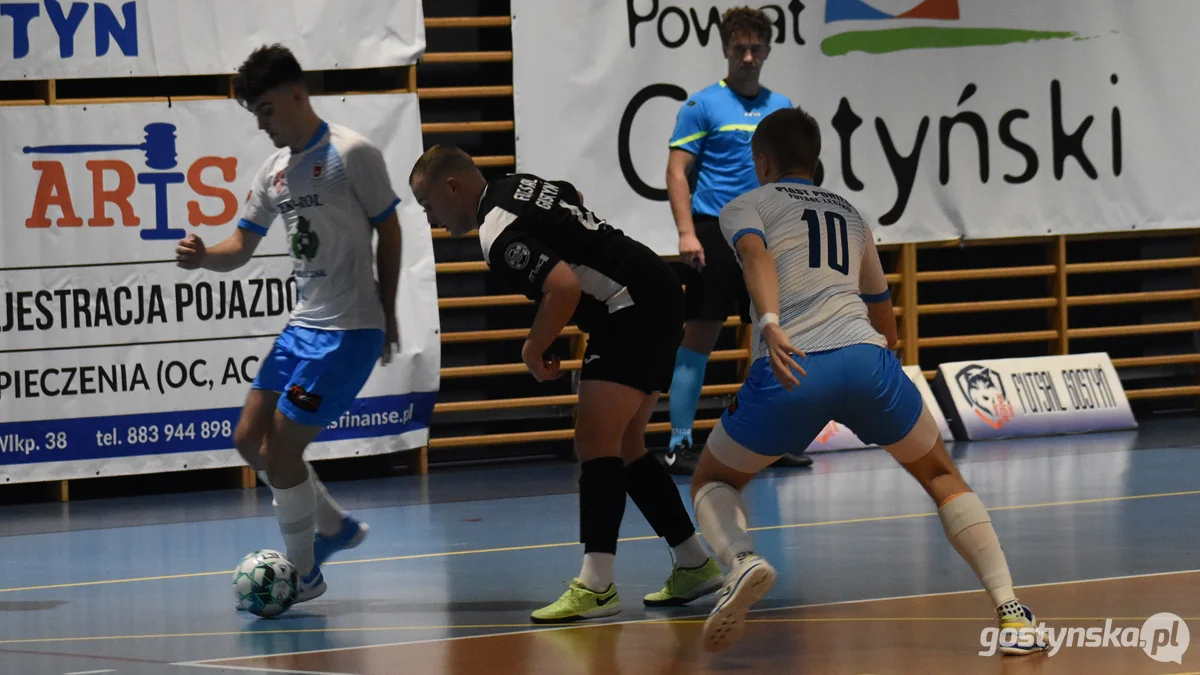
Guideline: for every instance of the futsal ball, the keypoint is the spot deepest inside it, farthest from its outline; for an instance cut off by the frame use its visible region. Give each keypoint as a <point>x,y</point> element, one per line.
<point>265,583</point>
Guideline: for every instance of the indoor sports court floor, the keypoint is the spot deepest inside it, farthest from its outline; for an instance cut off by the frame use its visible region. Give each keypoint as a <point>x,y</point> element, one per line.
<point>1095,527</point>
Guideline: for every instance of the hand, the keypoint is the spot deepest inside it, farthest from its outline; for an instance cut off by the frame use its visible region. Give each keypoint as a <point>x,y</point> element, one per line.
<point>189,253</point>
<point>543,370</point>
<point>691,251</point>
<point>391,339</point>
<point>781,350</point>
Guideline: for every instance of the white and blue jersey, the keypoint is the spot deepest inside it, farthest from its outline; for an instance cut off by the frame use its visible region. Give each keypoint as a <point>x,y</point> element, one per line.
<point>330,196</point>
<point>828,270</point>
<point>715,124</point>
<point>818,240</point>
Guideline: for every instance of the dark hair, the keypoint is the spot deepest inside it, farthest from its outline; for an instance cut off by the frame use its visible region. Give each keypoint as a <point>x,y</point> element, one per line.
<point>745,20</point>
<point>439,161</point>
<point>791,138</point>
<point>266,68</point>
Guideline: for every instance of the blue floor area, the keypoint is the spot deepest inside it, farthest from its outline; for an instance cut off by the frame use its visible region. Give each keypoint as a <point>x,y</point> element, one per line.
<point>469,551</point>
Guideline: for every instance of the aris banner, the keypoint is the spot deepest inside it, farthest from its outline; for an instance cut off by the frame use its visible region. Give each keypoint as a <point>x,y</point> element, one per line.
<point>941,119</point>
<point>115,361</point>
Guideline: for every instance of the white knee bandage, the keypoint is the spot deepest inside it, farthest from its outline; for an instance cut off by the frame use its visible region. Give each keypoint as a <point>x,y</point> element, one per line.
<point>962,512</point>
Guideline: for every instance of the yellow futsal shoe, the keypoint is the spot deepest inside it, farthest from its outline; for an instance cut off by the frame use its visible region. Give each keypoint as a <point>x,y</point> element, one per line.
<point>580,603</point>
<point>686,585</point>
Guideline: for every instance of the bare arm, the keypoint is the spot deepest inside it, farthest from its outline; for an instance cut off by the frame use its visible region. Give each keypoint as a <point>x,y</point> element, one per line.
<point>679,166</point>
<point>226,256</point>
<point>561,297</point>
<point>387,261</point>
<point>873,286</point>
<point>758,268</point>
<point>762,281</point>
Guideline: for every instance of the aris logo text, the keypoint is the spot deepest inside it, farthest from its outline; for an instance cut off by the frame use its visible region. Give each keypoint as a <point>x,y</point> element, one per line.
<point>161,171</point>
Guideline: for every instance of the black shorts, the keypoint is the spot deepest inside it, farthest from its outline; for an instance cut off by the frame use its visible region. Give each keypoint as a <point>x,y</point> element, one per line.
<point>636,346</point>
<point>717,291</point>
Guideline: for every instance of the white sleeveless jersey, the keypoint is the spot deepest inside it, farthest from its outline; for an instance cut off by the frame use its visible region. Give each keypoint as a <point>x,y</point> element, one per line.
<point>818,240</point>
<point>329,196</point>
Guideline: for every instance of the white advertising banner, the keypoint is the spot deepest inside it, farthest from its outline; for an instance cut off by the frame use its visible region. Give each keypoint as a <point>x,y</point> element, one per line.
<point>1039,396</point>
<point>113,360</point>
<point>56,39</point>
<point>838,437</point>
<point>941,119</point>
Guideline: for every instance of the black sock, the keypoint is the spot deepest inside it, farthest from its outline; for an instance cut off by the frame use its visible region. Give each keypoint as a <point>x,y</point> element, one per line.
<point>657,497</point>
<point>601,504</point>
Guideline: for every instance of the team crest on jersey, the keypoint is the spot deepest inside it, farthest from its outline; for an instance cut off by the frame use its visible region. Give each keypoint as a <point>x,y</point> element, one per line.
<point>305,242</point>
<point>517,255</point>
<point>318,169</point>
<point>279,181</point>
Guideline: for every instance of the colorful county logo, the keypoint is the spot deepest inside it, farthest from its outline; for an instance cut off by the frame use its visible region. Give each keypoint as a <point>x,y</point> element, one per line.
<point>884,40</point>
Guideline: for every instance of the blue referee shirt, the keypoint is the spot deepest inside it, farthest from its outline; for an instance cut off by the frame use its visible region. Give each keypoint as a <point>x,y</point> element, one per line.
<point>715,124</point>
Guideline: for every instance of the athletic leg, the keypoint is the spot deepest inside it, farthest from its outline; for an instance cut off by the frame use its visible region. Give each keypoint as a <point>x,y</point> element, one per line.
<point>295,497</point>
<point>656,495</point>
<point>721,513</point>
<point>699,338</point>
<point>258,416</point>
<point>274,446</point>
<point>256,420</point>
<point>889,407</point>
<point>764,422</point>
<point>707,304</point>
<point>325,371</point>
<point>604,411</point>
<point>965,521</point>
<point>258,413</point>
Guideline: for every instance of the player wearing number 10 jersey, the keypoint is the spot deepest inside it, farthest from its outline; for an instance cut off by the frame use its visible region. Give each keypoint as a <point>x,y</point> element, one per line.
<point>538,234</point>
<point>819,293</point>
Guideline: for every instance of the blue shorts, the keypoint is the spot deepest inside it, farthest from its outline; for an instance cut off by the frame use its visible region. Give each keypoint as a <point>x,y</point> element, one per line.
<point>862,387</point>
<point>319,372</point>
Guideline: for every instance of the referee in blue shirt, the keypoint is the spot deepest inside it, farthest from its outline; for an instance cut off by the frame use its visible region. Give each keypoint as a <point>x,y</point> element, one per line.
<point>711,144</point>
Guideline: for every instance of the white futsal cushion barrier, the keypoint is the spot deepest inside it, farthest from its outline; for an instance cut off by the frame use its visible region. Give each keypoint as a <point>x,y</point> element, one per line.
<point>1039,396</point>
<point>837,437</point>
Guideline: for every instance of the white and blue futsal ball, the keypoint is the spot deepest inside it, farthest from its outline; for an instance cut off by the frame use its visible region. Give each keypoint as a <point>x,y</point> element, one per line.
<point>265,583</point>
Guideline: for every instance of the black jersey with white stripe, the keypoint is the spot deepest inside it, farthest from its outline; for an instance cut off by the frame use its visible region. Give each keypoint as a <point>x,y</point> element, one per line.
<point>528,224</point>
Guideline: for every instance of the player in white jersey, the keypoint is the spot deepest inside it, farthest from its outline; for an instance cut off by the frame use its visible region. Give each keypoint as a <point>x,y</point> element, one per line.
<point>330,187</point>
<point>823,329</point>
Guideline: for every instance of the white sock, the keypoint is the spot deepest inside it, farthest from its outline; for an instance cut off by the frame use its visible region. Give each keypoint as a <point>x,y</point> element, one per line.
<point>691,554</point>
<point>329,514</point>
<point>969,529</point>
<point>721,516</point>
<point>294,508</point>
<point>597,572</point>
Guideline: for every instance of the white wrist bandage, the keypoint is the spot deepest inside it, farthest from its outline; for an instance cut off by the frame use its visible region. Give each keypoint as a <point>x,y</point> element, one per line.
<point>768,318</point>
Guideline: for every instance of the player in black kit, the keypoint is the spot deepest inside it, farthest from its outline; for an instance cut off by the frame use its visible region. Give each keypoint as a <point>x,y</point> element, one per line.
<point>538,234</point>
